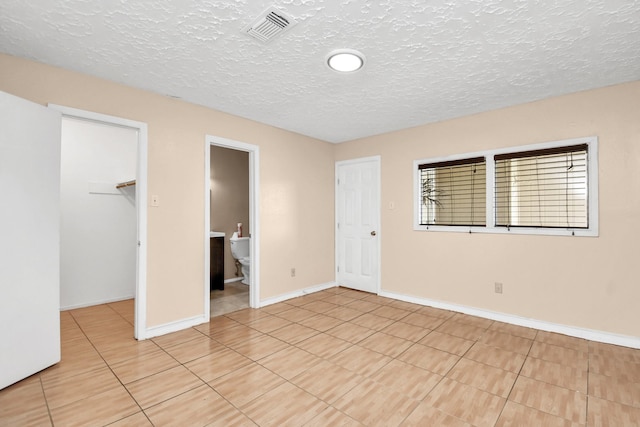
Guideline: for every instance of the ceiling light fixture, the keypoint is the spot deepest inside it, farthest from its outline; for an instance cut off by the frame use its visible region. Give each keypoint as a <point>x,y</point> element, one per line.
<point>345,60</point>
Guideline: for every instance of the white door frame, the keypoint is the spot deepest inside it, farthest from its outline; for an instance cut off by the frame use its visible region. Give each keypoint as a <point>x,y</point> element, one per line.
<point>254,215</point>
<point>140,322</point>
<point>377,160</point>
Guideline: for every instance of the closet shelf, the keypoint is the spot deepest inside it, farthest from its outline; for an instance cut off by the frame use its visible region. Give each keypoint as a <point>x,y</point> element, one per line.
<point>126,184</point>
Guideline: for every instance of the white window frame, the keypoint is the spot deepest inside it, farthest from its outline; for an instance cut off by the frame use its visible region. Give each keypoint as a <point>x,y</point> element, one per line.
<point>592,171</point>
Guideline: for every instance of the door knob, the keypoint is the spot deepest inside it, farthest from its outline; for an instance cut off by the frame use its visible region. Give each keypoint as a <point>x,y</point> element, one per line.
<point>373,233</point>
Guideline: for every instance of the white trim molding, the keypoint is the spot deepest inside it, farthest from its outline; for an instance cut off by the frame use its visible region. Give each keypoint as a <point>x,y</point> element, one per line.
<point>572,331</point>
<point>254,214</point>
<point>178,325</point>
<point>296,294</point>
<point>90,304</point>
<point>140,331</point>
<point>490,227</point>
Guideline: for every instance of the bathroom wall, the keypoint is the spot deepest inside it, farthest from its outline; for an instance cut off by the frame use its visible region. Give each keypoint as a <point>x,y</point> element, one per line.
<point>296,221</point>
<point>98,225</point>
<point>586,282</point>
<point>229,198</point>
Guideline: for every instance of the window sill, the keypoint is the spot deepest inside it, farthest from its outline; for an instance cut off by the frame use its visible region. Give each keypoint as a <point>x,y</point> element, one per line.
<point>571,232</point>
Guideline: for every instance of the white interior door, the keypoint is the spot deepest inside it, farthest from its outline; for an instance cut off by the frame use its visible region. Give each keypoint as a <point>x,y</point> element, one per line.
<point>29,238</point>
<point>358,224</point>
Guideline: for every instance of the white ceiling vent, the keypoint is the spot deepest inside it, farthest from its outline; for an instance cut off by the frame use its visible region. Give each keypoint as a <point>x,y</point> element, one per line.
<point>271,23</point>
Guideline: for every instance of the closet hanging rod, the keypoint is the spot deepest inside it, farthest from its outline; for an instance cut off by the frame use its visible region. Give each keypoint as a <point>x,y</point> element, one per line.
<point>126,184</point>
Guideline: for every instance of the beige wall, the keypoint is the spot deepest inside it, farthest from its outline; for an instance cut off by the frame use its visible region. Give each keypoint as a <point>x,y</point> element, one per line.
<point>229,198</point>
<point>288,204</point>
<point>583,282</point>
<point>577,281</point>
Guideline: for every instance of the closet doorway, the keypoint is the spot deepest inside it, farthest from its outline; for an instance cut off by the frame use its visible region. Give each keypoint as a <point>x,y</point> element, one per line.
<point>228,226</point>
<point>103,212</point>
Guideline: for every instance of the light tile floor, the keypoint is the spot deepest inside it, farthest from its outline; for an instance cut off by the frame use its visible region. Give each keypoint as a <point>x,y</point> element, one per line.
<point>336,357</point>
<point>234,297</point>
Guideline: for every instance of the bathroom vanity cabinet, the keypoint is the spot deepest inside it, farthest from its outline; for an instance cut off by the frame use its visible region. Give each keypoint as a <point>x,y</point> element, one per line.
<point>216,280</point>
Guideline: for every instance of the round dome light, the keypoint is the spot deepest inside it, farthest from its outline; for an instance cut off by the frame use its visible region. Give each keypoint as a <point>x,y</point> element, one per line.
<point>345,60</point>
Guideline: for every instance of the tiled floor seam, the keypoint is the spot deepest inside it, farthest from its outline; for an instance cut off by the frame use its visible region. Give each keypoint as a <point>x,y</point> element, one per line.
<point>196,375</point>
<point>442,377</point>
<point>248,403</point>
<point>506,400</point>
<point>118,313</point>
<point>144,411</point>
<point>164,349</point>
<point>46,401</point>
<point>212,388</point>
<point>85,325</point>
<point>108,365</point>
<point>295,385</point>
<point>588,377</point>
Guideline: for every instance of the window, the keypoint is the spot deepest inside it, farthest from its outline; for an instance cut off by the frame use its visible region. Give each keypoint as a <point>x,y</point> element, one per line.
<point>549,188</point>
<point>542,188</point>
<point>453,192</point>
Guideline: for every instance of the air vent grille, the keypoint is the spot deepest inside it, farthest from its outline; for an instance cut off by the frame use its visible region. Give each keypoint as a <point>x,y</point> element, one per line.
<point>270,24</point>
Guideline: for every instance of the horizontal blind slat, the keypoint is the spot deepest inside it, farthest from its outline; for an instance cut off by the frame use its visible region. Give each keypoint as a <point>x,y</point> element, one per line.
<point>542,188</point>
<point>456,193</point>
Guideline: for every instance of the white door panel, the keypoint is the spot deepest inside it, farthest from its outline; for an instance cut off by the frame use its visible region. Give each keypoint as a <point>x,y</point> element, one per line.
<point>29,238</point>
<point>358,213</point>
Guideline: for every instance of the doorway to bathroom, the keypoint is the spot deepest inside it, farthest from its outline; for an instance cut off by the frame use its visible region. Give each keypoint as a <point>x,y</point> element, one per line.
<point>231,225</point>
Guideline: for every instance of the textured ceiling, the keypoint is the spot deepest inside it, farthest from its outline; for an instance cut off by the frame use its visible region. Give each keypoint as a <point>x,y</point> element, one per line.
<point>426,60</point>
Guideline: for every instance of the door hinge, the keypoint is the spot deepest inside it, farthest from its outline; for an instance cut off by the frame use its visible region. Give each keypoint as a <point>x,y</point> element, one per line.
<point>338,269</point>
<point>338,181</point>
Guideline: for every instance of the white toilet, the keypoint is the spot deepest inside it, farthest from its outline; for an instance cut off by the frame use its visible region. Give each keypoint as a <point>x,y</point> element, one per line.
<point>240,249</point>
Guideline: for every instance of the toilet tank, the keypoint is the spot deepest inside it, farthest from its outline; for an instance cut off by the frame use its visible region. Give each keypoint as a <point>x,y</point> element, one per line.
<point>239,246</point>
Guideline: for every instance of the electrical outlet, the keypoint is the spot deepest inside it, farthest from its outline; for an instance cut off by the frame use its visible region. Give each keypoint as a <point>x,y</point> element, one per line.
<point>155,200</point>
<point>293,272</point>
<point>498,288</point>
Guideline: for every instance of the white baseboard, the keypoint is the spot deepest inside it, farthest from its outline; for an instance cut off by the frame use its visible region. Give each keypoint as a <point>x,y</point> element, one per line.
<point>298,293</point>
<point>589,334</point>
<point>89,304</point>
<point>178,325</point>
<point>198,320</point>
<point>237,279</point>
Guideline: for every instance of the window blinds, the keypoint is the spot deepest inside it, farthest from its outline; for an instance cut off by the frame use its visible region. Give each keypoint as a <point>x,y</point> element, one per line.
<point>453,192</point>
<point>542,188</point>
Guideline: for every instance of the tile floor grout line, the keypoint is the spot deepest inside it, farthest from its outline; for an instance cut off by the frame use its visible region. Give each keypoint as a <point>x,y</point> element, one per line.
<point>118,313</point>
<point>560,352</point>
<point>442,377</point>
<point>109,366</point>
<point>232,404</point>
<point>172,397</point>
<point>252,362</point>
<point>302,389</point>
<point>396,321</point>
<point>588,396</point>
<point>205,383</point>
<point>516,380</point>
<point>46,402</point>
<point>460,357</point>
<point>257,397</point>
